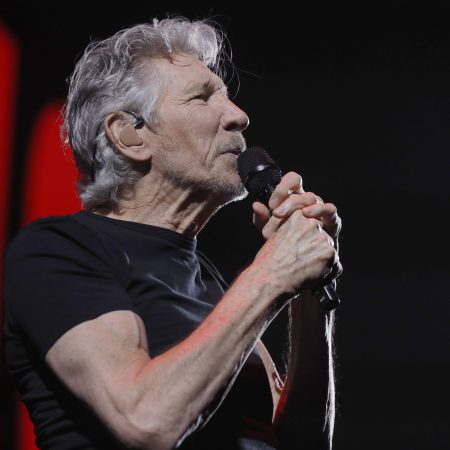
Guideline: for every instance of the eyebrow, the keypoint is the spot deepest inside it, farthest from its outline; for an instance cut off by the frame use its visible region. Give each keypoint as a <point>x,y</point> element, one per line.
<point>204,86</point>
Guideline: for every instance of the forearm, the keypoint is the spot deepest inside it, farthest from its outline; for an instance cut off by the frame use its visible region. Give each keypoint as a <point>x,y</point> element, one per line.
<point>305,414</point>
<point>208,360</point>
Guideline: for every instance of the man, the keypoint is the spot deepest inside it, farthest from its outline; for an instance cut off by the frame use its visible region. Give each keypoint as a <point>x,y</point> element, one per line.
<point>122,335</point>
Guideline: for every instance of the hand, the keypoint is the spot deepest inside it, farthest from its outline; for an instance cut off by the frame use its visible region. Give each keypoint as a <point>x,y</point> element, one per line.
<point>297,256</point>
<point>283,204</point>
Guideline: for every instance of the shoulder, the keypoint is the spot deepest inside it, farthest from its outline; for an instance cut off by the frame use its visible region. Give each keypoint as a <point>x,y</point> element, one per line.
<point>58,274</point>
<point>54,234</point>
<point>60,245</point>
<point>46,228</point>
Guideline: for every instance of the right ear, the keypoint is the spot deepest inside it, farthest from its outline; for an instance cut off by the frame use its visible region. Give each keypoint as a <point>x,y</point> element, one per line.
<point>125,137</point>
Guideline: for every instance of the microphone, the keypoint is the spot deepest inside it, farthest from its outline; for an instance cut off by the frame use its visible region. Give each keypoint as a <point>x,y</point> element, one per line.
<point>260,175</point>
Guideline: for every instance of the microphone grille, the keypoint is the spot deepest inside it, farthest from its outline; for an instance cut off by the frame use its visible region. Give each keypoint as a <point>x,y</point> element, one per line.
<point>259,172</point>
<point>251,158</point>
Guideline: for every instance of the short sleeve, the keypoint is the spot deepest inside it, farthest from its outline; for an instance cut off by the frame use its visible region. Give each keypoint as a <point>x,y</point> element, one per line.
<point>58,275</point>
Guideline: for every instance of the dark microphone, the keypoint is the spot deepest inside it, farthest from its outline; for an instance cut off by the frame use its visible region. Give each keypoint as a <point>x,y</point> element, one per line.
<point>260,175</point>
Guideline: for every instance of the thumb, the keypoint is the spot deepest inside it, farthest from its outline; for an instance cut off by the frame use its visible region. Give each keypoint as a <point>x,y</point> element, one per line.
<point>260,215</point>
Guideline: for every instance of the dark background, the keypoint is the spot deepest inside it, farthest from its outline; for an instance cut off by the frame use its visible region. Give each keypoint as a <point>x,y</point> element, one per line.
<point>357,100</point>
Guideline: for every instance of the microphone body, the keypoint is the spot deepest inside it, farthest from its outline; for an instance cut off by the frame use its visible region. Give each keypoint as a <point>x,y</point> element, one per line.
<point>260,175</point>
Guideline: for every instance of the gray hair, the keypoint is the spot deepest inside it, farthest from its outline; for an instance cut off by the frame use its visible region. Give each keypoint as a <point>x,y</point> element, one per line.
<point>117,74</point>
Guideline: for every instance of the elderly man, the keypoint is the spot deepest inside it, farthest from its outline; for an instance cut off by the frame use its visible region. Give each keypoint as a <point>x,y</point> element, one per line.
<point>120,333</point>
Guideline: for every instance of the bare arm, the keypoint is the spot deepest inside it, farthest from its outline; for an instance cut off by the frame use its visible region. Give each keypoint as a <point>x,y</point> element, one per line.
<point>152,403</point>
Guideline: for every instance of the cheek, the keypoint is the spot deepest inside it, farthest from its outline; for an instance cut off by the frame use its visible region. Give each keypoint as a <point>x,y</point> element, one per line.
<point>204,122</point>
<point>194,127</point>
<point>197,135</point>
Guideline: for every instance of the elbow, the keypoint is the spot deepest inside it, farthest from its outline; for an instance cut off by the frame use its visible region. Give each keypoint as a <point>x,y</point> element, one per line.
<point>153,430</point>
<point>148,422</point>
<point>147,432</point>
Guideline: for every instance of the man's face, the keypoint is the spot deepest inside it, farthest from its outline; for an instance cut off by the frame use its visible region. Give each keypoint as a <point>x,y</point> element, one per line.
<point>198,137</point>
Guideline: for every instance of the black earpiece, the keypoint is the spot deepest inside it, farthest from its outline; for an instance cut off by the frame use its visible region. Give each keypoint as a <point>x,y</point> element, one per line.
<point>139,120</point>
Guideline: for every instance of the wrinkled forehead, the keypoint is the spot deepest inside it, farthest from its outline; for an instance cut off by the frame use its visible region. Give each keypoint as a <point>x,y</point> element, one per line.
<point>184,74</point>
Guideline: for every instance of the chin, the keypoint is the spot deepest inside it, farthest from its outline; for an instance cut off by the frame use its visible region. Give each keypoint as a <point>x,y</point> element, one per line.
<point>240,196</point>
<point>229,191</point>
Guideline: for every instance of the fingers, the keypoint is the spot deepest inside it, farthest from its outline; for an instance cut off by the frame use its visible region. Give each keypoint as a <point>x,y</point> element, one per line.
<point>260,215</point>
<point>335,272</point>
<point>327,214</point>
<point>291,182</point>
<point>262,219</point>
<point>294,202</point>
<point>271,227</point>
<point>283,203</point>
<point>268,224</point>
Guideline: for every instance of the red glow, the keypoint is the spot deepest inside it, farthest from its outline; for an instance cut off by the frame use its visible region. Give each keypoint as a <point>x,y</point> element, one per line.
<point>24,428</point>
<point>9,62</point>
<point>49,190</point>
<point>9,57</point>
<point>50,173</point>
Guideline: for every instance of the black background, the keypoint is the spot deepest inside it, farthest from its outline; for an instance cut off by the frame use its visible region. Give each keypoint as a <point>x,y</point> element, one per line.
<point>357,100</point>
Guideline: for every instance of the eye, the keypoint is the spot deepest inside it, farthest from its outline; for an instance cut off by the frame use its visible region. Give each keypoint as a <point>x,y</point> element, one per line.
<point>203,96</point>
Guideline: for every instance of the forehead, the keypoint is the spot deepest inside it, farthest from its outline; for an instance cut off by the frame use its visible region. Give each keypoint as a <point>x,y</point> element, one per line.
<point>184,73</point>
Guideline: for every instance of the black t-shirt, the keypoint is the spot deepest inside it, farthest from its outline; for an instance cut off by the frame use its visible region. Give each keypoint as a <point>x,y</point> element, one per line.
<point>62,271</point>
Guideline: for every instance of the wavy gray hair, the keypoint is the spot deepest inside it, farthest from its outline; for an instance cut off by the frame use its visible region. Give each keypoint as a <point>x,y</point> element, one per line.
<point>117,74</point>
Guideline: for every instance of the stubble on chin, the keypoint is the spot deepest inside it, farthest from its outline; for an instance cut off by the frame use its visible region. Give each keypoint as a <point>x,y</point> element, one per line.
<point>221,183</point>
<point>227,183</point>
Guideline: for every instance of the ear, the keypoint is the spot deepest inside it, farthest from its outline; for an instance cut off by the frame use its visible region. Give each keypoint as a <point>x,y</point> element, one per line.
<point>128,140</point>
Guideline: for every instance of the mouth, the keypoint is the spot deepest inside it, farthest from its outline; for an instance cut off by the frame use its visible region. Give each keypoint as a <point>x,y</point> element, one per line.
<point>234,151</point>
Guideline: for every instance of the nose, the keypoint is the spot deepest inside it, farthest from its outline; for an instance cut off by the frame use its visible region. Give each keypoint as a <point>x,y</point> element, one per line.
<point>233,118</point>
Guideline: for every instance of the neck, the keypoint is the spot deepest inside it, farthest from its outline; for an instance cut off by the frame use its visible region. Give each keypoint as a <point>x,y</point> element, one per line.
<point>162,204</point>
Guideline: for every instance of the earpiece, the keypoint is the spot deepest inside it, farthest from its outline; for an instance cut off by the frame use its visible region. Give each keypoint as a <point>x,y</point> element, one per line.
<point>139,120</point>
<point>129,137</point>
